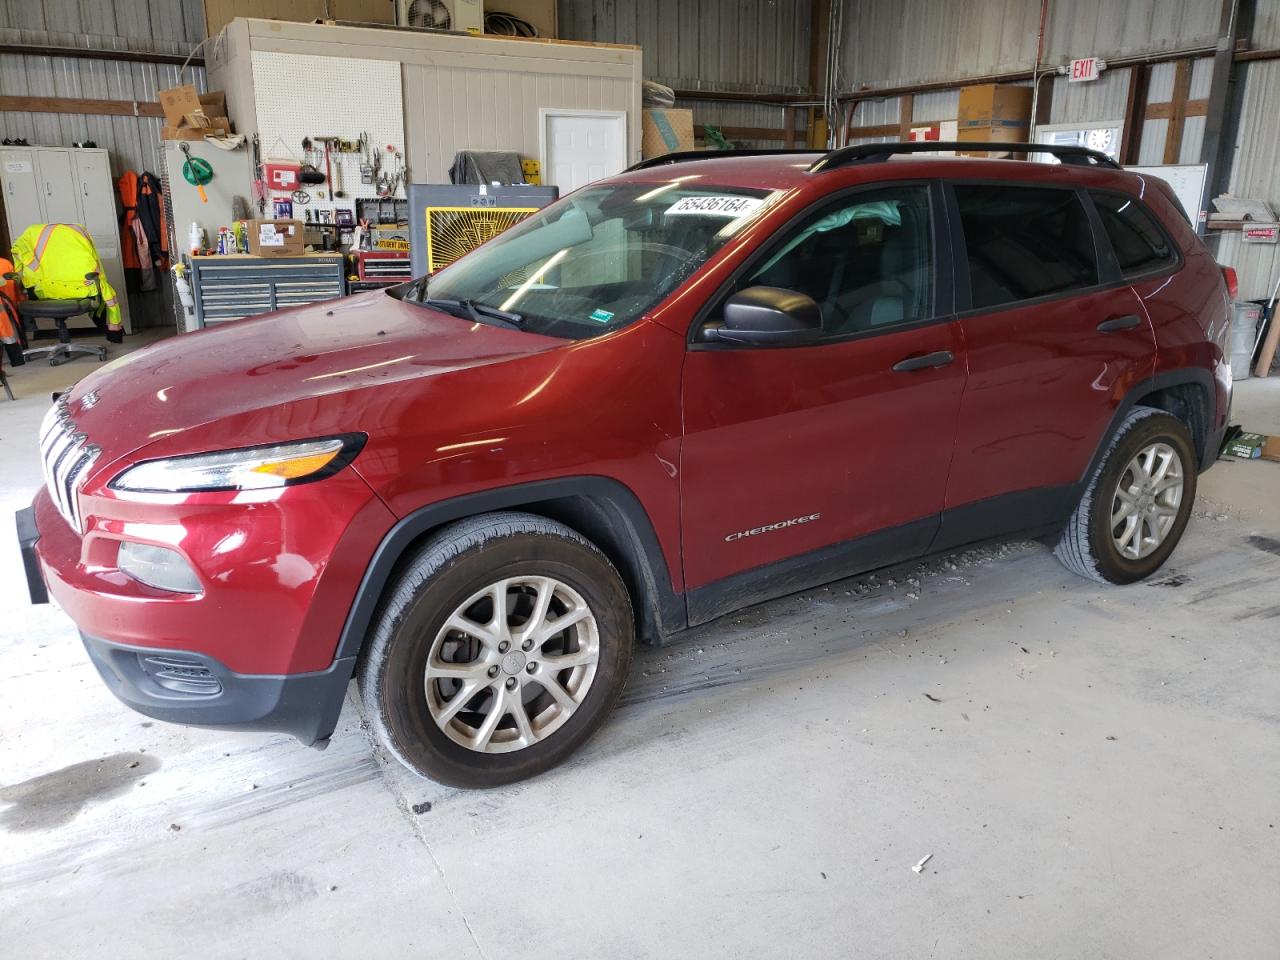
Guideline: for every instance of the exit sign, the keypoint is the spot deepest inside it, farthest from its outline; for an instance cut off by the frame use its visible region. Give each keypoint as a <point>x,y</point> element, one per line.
<point>1084,69</point>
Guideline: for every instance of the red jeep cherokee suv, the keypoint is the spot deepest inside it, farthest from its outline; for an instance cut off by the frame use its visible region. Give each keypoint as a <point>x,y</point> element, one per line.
<point>709,381</point>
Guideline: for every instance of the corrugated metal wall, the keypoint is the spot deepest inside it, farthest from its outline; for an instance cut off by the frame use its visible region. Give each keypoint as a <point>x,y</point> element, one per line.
<point>759,46</point>
<point>928,41</point>
<point>133,142</point>
<point>892,42</point>
<point>907,41</point>
<point>146,26</point>
<point>1255,173</point>
<point>149,23</point>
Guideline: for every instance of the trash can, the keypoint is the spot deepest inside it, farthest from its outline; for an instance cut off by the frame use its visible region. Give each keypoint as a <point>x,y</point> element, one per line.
<point>1244,334</point>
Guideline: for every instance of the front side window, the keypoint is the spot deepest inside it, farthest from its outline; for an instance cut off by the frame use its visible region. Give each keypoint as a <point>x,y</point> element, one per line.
<point>1024,242</point>
<point>1140,245</point>
<point>866,260</point>
<point>594,262</point>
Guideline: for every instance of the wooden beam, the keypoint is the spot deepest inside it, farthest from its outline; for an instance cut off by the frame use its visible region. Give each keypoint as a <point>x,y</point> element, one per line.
<point>906,108</point>
<point>1135,107</point>
<point>1163,111</point>
<point>1178,113</point>
<point>739,96</point>
<point>789,122</point>
<point>94,108</point>
<point>91,53</point>
<point>879,130</point>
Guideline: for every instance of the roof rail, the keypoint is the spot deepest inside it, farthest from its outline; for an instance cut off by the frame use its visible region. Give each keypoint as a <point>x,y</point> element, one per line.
<point>879,152</point>
<point>683,155</point>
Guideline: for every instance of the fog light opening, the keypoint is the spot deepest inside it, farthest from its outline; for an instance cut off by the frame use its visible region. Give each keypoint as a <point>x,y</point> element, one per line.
<point>158,567</point>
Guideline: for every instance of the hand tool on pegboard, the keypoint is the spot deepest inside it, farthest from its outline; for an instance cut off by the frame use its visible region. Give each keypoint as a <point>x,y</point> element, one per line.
<point>328,164</point>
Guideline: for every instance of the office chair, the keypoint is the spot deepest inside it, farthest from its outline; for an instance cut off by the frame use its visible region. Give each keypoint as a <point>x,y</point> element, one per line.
<point>60,311</point>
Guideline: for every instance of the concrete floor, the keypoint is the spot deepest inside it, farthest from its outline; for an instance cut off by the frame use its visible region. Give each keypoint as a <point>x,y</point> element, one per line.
<point>1095,772</point>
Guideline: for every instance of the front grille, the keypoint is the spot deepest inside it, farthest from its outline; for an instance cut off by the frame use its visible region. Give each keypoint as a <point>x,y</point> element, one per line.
<point>66,456</point>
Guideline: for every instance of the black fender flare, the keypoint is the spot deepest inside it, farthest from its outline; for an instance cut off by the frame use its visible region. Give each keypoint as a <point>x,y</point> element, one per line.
<point>615,508</point>
<point>1194,376</point>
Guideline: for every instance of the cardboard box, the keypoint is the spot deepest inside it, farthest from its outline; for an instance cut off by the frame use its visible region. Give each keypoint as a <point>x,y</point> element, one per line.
<point>994,105</point>
<point>275,238</point>
<point>1003,134</point>
<point>666,130</point>
<point>189,115</point>
<point>1254,446</point>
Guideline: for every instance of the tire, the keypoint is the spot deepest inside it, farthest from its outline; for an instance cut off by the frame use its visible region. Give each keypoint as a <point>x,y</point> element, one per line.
<point>453,579</point>
<point>1091,543</point>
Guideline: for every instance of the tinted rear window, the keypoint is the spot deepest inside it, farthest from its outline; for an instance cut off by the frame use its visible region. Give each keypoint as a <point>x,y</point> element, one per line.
<point>1025,242</point>
<point>1140,244</point>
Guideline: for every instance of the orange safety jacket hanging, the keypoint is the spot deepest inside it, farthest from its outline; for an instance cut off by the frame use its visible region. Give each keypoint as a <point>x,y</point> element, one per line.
<point>10,330</point>
<point>52,260</point>
<point>127,188</point>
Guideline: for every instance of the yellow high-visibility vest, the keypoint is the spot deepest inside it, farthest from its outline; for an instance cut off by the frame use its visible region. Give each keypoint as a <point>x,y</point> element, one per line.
<point>53,259</point>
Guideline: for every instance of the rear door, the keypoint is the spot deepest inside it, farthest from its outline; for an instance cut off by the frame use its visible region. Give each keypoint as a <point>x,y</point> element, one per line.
<point>792,453</point>
<point>1055,339</point>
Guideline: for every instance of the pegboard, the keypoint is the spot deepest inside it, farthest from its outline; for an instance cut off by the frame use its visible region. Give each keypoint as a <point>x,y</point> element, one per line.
<point>302,95</point>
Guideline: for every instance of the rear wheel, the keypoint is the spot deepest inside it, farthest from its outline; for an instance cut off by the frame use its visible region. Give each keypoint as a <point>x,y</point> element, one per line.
<point>501,649</point>
<point>1137,504</point>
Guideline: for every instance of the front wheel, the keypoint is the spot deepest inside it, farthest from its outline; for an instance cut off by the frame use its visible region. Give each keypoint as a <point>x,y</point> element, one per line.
<point>1137,504</point>
<point>502,647</point>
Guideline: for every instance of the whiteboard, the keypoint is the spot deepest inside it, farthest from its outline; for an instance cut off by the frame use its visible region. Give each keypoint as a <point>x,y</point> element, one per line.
<point>1187,180</point>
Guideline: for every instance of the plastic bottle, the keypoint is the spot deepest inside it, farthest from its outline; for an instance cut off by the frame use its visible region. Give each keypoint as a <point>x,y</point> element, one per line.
<point>184,288</point>
<point>195,239</point>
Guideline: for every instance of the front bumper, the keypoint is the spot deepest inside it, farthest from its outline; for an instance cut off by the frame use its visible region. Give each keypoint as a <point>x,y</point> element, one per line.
<point>28,534</point>
<point>180,686</point>
<point>189,687</point>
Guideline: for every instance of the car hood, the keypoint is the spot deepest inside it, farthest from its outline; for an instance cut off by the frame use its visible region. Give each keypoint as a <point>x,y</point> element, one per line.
<point>295,357</point>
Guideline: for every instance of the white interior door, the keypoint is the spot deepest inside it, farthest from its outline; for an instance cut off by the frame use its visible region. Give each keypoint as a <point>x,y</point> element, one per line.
<point>579,146</point>
<point>57,186</point>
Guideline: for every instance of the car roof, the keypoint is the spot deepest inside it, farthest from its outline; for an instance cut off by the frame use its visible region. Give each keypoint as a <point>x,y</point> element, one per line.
<point>782,171</point>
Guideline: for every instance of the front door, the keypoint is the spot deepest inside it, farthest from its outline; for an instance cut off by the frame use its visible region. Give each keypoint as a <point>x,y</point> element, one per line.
<point>791,453</point>
<point>1055,339</point>
<point>579,146</point>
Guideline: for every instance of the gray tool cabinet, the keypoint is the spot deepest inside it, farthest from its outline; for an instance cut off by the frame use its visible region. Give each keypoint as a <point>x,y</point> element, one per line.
<point>232,287</point>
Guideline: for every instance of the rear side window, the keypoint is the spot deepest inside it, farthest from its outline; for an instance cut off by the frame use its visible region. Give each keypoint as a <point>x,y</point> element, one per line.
<point>1140,244</point>
<point>1025,242</point>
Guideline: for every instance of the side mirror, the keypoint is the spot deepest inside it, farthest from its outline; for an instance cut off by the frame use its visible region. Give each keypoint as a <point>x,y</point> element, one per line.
<point>768,315</point>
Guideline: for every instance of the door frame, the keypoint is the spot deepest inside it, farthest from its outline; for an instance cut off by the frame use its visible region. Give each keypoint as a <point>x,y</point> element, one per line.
<point>619,117</point>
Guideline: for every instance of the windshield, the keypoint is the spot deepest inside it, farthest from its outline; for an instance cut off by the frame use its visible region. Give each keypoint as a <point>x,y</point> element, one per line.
<point>593,262</point>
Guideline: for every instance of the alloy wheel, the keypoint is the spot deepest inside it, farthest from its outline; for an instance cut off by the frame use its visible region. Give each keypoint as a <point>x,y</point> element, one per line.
<point>512,663</point>
<point>1146,502</point>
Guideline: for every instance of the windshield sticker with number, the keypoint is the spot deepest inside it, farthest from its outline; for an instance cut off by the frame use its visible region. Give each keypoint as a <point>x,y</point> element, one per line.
<point>715,206</point>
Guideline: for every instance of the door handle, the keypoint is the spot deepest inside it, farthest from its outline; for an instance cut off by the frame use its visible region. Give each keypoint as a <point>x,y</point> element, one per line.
<point>1127,322</point>
<point>939,358</point>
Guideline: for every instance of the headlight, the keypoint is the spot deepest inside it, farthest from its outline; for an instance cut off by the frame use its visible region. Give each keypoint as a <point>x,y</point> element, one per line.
<point>250,468</point>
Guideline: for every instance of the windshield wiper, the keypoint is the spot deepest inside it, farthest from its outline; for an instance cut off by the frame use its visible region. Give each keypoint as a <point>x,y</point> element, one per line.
<point>476,310</point>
